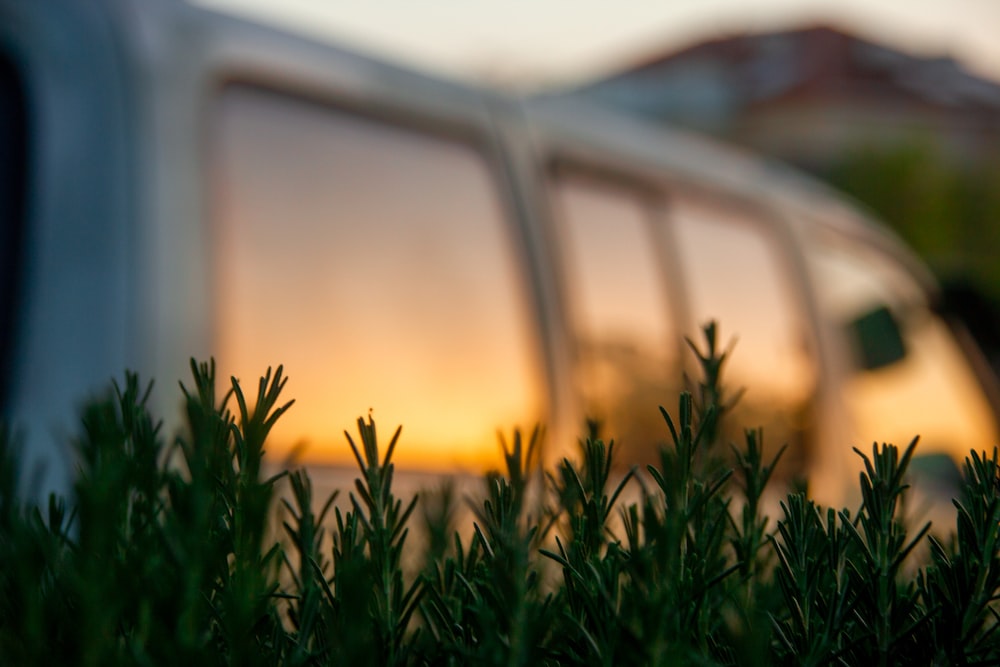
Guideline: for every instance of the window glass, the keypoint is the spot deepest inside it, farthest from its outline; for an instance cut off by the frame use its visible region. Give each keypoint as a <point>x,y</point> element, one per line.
<point>735,274</point>
<point>374,262</point>
<point>926,387</point>
<point>619,305</point>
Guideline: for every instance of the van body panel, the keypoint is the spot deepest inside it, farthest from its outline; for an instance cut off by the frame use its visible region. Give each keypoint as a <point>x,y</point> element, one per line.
<point>143,114</point>
<point>77,295</point>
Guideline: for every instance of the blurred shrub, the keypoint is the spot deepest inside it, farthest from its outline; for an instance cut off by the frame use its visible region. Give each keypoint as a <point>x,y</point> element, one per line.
<point>947,210</point>
<point>165,555</point>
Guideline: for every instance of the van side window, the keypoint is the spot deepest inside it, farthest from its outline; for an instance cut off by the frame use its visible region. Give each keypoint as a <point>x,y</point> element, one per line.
<point>376,263</point>
<point>735,273</point>
<point>619,308</point>
<point>907,374</point>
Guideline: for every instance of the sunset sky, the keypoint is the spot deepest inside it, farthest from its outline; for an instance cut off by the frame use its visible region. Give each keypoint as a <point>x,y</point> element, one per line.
<point>531,44</point>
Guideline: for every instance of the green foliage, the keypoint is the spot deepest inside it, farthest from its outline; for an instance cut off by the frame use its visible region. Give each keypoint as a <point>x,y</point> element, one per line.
<point>961,586</point>
<point>165,555</point>
<point>946,211</point>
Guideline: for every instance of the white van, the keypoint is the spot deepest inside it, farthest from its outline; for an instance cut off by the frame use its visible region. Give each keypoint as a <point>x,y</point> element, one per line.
<point>178,183</point>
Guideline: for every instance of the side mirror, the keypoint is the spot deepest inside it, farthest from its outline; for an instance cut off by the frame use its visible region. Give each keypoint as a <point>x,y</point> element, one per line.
<point>877,339</point>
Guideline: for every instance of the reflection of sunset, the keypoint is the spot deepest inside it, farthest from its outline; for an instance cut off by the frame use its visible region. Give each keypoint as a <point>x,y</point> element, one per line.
<point>446,422</point>
<point>735,274</point>
<point>617,286</point>
<point>338,257</point>
<point>625,339</point>
<point>931,393</point>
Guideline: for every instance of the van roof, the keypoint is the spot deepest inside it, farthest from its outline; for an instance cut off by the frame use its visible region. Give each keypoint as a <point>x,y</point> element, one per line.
<point>556,119</point>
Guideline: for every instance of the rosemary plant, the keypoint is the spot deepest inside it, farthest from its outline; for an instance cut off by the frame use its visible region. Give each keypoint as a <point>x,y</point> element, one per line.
<point>177,554</point>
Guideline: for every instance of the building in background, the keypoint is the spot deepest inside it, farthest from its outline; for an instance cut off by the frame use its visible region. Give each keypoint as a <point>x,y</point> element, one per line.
<point>810,96</point>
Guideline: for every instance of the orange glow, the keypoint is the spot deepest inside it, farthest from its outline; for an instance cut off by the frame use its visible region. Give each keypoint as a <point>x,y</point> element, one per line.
<point>932,393</point>
<point>735,274</point>
<point>338,257</point>
<point>446,424</point>
<point>618,291</point>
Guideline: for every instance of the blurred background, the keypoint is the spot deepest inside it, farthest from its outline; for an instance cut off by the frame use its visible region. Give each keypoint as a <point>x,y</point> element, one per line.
<point>896,103</point>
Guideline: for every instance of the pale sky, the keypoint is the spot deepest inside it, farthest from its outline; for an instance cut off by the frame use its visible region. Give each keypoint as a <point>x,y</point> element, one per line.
<point>535,43</point>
